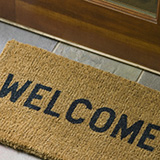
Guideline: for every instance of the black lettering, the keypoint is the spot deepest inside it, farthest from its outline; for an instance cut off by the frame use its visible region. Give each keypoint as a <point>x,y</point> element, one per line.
<point>135,128</point>
<point>146,135</point>
<point>15,94</point>
<point>96,116</point>
<point>51,104</point>
<point>33,95</point>
<point>73,106</point>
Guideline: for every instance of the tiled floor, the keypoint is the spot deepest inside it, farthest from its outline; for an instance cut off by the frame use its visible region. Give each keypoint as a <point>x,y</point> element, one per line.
<point>8,32</point>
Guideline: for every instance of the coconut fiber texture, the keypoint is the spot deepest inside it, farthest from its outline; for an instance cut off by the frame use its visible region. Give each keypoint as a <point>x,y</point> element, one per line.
<point>56,108</point>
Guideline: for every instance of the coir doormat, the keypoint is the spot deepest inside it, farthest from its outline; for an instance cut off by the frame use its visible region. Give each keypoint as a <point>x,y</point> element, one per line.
<point>56,108</point>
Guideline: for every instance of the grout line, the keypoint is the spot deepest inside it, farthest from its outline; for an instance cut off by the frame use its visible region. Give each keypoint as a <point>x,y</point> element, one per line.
<point>80,46</point>
<point>139,77</point>
<point>56,47</point>
<point>113,72</point>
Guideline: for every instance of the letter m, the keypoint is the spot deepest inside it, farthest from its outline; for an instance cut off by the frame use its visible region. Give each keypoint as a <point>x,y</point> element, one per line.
<point>15,94</point>
<point>122,124</point>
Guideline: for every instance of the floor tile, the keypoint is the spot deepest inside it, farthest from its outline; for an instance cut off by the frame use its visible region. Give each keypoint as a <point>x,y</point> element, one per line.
<point>150,80</point>
<point>127,71</point>
<point>7,153</point>
<point>98,61</point>
<point>8,32</point>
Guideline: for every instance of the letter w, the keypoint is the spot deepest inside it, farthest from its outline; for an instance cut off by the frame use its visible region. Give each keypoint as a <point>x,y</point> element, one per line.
<point>15,94</point>
<point>135,128</point>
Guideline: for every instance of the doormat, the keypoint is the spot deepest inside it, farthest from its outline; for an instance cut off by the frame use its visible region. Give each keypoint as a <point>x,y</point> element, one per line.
<point>59,109</point>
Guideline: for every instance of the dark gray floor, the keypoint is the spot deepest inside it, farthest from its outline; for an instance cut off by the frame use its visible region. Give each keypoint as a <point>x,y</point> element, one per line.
<point>8,32</point>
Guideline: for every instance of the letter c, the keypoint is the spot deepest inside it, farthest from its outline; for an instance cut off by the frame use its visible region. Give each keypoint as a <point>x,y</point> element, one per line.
<point>73,106</point>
